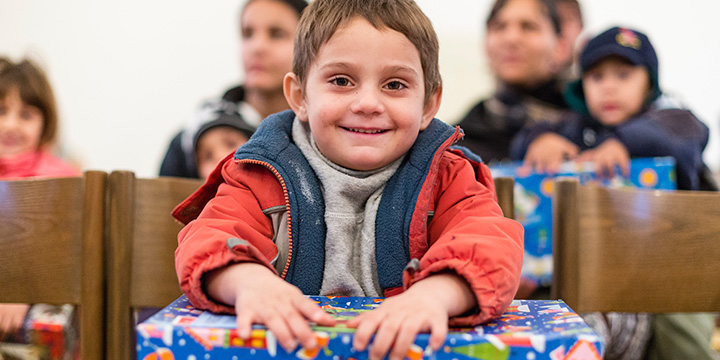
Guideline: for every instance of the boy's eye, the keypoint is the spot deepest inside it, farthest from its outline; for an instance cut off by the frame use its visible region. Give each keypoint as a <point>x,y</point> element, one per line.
<point>595,76</point>
<point>340,81</point>
<point>3,110</point>
<point>623,74</point>
<point>395,85</point>
<point>205,156</point>
<point>247,33</point>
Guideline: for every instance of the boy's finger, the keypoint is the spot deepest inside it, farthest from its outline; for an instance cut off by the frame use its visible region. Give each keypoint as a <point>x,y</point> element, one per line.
<point>314,313</point>
<point>244,320</point>
<point>572,151</point>
<point>438,333</point>
<point>554,166</point>
<point>365,327</point>
<point>609,168</point>
<point>524,170</point>
<point>625,166</point>
<point>276,323</point>
<point>404,339</point>
<point>302,331</point>
<point>384,338</point>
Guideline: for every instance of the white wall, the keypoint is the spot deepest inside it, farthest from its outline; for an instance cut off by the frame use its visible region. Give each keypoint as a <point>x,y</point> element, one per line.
<point>128,75</point>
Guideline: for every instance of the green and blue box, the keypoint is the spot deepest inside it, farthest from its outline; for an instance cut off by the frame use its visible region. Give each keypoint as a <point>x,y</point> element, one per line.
<point>533,204</point>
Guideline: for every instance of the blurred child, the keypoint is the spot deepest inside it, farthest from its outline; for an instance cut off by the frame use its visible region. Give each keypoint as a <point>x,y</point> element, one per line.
<point>28,126</point>
<point>620,116</point>
<point>215,139</point>
<point>28,123</point>
<point>617,116</point>
<point>355,192</point>
<point>267,29</point>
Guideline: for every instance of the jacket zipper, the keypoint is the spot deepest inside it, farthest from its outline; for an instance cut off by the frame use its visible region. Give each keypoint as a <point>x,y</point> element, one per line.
<point>287,207</point>
<point>453,138</point>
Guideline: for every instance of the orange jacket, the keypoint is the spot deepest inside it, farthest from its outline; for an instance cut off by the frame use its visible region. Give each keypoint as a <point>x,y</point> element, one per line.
<point>456,225</point>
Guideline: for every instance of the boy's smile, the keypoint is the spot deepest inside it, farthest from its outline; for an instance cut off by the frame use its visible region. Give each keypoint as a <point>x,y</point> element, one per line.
<point>364,96</point>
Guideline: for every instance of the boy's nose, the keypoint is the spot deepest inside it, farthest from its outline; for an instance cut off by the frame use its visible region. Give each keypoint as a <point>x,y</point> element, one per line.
<point>367,101</point>
<point>609,86</point>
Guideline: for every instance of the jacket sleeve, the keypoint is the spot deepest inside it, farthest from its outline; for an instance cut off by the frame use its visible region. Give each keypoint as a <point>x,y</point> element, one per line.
<point>525,136</point>
<point>670,132</point>
<point>230,229</point>
<point>469,236</point>
<point>569,127</point>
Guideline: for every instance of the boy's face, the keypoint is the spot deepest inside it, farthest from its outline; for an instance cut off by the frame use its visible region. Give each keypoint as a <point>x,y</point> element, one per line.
<point>521,44</point>
<point>364,96</point>
<point>21,125</point>
<point>268,29</point>
<point>214,144</point>
<point>615,90</point>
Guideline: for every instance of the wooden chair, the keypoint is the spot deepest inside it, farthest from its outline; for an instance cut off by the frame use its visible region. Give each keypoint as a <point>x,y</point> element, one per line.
<point>142,238</point>
<point>504,188</point>
<point>635,250</point>
<point>51,248</point>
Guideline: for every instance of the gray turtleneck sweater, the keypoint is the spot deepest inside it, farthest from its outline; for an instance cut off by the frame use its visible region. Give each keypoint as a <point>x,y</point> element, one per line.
<point>351,203</point>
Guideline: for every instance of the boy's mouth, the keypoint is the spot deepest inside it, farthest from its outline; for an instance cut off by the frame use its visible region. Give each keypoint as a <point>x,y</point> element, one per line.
<point>610,107</point>
<point>364,131</point>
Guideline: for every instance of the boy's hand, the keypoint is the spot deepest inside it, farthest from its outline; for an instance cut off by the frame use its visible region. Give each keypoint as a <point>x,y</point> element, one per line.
<point>261,297</point>
<point>11,318</point>
<point>426,306</point>
<point>607,156</point>
<point>547,152</point>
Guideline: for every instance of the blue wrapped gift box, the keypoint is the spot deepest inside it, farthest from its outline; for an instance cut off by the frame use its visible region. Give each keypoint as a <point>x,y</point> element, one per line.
<point>529,329</point>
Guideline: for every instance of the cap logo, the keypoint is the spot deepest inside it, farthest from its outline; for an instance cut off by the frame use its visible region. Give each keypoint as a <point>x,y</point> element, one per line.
<point>627,38</point>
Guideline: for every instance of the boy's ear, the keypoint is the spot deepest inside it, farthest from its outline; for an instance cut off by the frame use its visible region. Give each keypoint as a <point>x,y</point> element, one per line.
<point>294,95</point>
<point>432,105</point>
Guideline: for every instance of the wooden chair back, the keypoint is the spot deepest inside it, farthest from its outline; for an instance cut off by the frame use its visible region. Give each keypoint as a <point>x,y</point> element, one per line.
<point>142,238</point>
<point>51,248</point>
<point>504,188</point>
<point>634,250</point>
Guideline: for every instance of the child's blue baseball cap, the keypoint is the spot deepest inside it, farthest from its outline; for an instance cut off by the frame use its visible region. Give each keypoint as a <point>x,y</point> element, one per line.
<point>623,42</point>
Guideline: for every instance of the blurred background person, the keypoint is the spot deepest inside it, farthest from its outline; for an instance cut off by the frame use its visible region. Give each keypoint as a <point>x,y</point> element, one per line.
<point>267,29</point>
<point>527,52</point>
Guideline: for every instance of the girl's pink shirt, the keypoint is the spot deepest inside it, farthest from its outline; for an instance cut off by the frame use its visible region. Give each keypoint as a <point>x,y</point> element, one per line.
<point>40,163</point>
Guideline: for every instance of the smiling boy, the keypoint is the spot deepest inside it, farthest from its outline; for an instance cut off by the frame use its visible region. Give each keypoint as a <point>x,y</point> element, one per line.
<point>355,192</point>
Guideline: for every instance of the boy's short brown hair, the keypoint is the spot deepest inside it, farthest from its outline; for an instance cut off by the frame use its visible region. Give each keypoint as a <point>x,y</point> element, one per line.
<point>34,89</point>
<point>323,17</point>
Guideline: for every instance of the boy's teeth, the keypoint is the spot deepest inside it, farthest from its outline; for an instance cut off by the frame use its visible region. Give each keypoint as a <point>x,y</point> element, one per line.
<point>366,131</point>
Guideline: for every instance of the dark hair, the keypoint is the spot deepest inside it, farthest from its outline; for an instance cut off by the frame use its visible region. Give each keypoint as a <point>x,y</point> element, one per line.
<point>548,7</point>
<point>34,89</point>
<point>297,5</point>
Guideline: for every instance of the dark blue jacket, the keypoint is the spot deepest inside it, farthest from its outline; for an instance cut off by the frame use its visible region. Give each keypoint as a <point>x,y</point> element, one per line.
<point>653,133</point>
